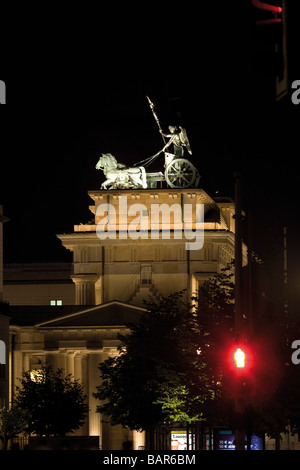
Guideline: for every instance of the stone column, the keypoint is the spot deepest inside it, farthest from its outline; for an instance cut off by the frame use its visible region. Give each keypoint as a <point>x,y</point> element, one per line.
<point>139,440</point>
<point>85,288</point>
<point>70,363</point>
<point>61,360</point>
<point>95,425</point>
<point>26,362</point>
<point>81,374</point>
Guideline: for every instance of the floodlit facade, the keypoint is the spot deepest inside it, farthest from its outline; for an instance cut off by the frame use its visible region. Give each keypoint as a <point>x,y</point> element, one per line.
<point>130,266</point>
<point>69,316</point>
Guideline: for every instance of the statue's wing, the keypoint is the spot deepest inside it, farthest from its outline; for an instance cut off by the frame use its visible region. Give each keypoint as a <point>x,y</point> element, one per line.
<point>184,139</point>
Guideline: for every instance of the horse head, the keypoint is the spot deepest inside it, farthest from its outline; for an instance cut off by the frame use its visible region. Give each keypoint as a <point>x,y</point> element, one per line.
<point>106,159</point>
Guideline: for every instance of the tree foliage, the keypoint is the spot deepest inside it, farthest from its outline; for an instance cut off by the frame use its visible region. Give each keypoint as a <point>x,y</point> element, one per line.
<point>215,332</point>
<point>56,403</point>
<point>162,373</point>
<point>13,421</point>
<point>172,366</point>
<point>134,383</point>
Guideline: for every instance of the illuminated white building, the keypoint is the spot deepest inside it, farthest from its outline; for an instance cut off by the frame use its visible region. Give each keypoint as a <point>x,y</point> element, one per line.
<point>71,321</point>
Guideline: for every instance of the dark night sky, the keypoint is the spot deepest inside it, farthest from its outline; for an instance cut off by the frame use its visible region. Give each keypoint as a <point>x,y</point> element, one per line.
<point>77,86</point>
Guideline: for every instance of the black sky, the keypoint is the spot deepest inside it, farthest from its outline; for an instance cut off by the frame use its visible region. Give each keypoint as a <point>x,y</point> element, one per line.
<point>77,83</point>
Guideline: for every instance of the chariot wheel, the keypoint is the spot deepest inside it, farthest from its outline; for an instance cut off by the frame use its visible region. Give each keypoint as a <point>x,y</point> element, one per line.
<point>180,173</point>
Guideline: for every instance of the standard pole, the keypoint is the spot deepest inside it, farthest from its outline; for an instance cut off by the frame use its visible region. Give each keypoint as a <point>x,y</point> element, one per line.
<point>238,259</point>
<point>240,432</point>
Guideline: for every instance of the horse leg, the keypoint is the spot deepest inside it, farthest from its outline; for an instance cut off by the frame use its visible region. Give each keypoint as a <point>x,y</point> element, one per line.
<point>138,179</point>
<point>108,181</point>
<point>140,182</point>
<point>143,177</point>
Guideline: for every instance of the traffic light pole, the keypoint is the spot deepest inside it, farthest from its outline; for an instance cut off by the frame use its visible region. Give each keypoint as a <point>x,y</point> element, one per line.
<point>239,327</point>
<point>239,404</point>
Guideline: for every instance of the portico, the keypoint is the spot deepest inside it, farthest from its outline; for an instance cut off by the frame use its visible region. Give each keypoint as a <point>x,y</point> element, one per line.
<point>77,342</point>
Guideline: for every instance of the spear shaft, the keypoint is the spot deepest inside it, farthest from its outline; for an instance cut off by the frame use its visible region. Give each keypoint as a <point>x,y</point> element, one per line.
<point>152,106</point>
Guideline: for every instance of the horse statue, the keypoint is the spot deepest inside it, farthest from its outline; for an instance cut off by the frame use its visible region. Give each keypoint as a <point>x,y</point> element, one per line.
<point>118,176</point>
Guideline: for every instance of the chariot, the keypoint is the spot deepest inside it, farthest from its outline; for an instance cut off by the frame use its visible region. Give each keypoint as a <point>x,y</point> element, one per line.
<point>179,172</point>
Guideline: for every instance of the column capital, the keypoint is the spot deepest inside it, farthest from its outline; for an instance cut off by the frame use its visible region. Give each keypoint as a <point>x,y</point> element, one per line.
<point>85,278</point>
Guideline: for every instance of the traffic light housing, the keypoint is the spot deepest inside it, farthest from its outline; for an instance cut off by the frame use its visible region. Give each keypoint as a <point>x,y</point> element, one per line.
<point>275,11</point>
<point>270,38</point>
<point>240,358</point>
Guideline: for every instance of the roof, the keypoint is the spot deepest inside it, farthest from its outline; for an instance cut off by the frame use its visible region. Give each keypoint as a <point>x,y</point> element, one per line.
<point>113,313</point>
<point>37,273</point>
<point>30,315</point>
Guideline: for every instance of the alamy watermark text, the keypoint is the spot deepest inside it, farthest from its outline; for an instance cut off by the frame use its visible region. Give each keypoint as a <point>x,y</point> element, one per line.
<point>296,94</point>
<point>2,92</point>
<point>188,222</point>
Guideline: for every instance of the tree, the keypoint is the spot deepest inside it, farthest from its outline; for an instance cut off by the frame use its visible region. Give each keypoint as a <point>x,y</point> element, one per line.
<point>273,374</point>
<point>278,378</point>
<point>56,403</point>
<point>172,366</point>
<point>159,375</point>
<point>13,421</point>
<point>214,319</point>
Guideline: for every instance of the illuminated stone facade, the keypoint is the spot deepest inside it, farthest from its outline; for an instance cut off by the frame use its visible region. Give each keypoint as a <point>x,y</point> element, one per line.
<point>112,278</point>
<point>132,269</point>
<point>38,284</point>
<point>77,342</point>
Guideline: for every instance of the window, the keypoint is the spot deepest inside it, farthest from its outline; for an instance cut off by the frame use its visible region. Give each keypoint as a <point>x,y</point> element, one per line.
<point>56,302</point>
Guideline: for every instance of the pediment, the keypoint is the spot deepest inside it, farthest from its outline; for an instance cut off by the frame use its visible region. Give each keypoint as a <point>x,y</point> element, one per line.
<point>113,313</point>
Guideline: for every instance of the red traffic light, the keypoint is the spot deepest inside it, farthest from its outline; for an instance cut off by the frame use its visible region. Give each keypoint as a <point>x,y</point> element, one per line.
<point>240,358</point>
<point>239,381</point>
<point>266,6</point>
